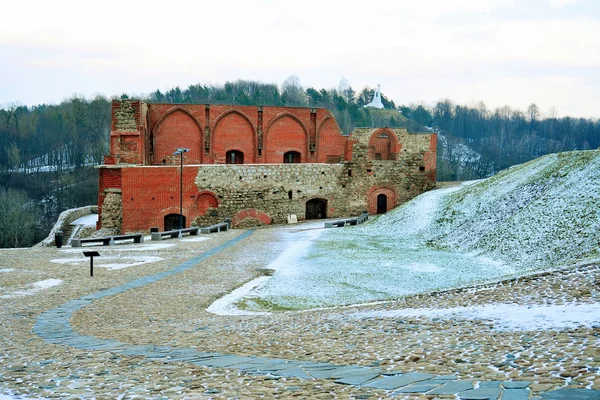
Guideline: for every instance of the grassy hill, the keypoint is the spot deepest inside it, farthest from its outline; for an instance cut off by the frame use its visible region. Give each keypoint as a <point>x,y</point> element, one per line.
<point>539,214</point>
<point>534,216</point>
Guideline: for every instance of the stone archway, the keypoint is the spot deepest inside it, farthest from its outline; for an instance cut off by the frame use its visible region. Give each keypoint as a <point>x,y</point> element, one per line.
<point>316,209</point>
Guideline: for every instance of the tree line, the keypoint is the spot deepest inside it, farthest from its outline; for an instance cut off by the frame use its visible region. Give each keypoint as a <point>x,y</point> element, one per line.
<point>477,142</point>
<point>48,152</point>
<point>47,159</point>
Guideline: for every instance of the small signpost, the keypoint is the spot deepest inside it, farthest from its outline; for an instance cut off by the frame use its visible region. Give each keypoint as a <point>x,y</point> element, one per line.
<point>91,255</point>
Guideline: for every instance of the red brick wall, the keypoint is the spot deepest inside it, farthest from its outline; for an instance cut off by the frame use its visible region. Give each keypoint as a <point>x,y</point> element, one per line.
<point>177,129</point>
<point>284,134</point>
<point>329,140</point>
<point>235,127</point>
<point>148,194</point>
<point>110,178</point>
<point>431,159</point>
<point>233,131</point>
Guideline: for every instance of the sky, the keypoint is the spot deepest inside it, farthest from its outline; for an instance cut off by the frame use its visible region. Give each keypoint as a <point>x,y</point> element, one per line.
<point>500,52</point>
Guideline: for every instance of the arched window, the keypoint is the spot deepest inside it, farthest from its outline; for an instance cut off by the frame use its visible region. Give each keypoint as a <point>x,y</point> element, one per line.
<point>234,157</point>
<point>291,157</point>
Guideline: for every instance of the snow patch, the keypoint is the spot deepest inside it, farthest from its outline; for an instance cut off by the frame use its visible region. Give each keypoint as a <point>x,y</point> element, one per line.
<point>196,238</point>
<point>505,317</point>
<point>88,220</point>
<point>35,287</point>
<point>122,247</point>
<point>297,243</point>
<point>6,269</point>
<point>225,305</point>
<point>103,261</point>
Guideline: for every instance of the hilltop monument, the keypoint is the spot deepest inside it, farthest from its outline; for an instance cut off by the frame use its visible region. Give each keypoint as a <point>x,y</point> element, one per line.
<point>376,103</point>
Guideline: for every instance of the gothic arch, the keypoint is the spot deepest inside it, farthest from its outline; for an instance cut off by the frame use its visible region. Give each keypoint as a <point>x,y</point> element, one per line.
<point>297,139</point>
<point>231,111</point>
<point>287,114</point>
<point>386,146</point>
<point>195,144</point>
<point>241,139</point>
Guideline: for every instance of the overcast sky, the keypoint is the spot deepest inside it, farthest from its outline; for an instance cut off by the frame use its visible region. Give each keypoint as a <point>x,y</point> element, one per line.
<point>496,51</point>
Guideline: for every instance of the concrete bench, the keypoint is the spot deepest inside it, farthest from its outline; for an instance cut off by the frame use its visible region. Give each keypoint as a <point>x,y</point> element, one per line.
<point>335,224</point>
<point>174,233</point>
<point>108,240</point>
<point>221,226</point>
<point>350,221</point>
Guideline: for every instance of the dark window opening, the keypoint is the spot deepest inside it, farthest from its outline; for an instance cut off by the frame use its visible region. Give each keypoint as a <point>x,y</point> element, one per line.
<point>291,157</point>
<point>421,168</point>
<point>172,221</point>
<point>290,194</point>
<point>349,172</point>
<point>381,203</point>
<point>316,209</point>
<point>234,157</point>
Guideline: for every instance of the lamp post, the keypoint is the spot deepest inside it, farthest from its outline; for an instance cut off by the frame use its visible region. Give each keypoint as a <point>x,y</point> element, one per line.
<point>179,153</point>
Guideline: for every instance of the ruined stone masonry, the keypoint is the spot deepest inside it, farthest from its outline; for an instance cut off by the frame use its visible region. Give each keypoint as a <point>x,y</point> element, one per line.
<point>255,165</point>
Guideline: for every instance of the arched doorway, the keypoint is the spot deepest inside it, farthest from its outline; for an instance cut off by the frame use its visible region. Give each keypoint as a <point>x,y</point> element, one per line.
<point>172,221</point>
<point>234,157</point>
<point>291,157</point>
<point>316,209</point>
<point>381,203</point>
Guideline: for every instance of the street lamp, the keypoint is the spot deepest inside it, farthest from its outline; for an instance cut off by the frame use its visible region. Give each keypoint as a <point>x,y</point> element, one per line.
<point>179,153</point>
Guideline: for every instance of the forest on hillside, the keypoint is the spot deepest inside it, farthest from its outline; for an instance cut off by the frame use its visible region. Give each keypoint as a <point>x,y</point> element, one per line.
<point>48,152</point>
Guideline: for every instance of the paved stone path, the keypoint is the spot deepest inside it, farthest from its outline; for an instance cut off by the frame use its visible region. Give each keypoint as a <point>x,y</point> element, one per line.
<point>54,326</point>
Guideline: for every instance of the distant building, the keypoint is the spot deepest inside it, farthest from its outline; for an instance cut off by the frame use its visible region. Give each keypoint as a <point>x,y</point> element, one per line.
<point>376,103</point>
<point>255,165</point>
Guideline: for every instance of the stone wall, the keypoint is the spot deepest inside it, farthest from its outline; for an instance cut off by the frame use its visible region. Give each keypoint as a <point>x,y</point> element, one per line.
<point>63,221</point>
<point>338,176</point>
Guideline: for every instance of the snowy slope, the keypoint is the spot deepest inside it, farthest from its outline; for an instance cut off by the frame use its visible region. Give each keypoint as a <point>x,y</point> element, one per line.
<point>533,216</point>
<point>536,215</point>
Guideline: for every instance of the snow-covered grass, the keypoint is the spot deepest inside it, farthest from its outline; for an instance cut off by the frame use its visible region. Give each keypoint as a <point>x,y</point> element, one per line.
<point>537,215</point>
<point>504,317</point>
<point>540,214</point>
<point>34,288</point>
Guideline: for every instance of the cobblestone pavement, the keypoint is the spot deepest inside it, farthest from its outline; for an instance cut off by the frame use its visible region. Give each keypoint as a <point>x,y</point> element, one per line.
<point>143,332</point>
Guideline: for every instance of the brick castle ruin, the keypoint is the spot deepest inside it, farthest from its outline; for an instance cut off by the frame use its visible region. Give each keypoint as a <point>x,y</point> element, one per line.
<point>255,165</point>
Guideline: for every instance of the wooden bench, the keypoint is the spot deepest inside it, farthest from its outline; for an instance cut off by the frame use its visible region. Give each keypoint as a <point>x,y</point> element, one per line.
<point>221,226</point>
<point>108,240</point>
<point>174,233</point>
